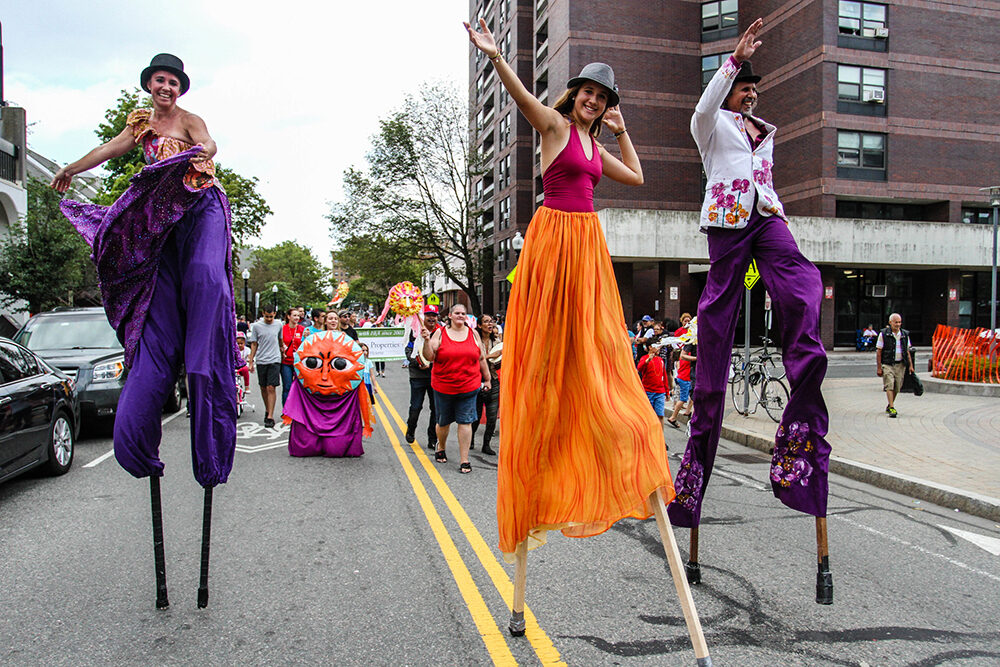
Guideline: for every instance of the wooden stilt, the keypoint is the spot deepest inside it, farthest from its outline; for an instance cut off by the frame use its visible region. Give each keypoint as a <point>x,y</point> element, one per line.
<point>824,578</point>
<point>680,582</point>
<point>516,625</point>
<point>206,539</point>
<point>158,558</point>
<point>692,569</point>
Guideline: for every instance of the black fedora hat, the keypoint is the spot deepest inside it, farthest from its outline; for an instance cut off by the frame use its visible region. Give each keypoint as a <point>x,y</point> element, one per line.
<point>746,73</point>
<point>168,63</point>
<point>598,73</point>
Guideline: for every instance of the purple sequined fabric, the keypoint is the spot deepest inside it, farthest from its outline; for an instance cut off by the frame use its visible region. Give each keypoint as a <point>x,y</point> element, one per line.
<point>127,239</point>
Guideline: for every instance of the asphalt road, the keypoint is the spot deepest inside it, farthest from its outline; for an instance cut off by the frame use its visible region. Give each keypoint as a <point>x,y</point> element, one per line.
<point>391,559</point>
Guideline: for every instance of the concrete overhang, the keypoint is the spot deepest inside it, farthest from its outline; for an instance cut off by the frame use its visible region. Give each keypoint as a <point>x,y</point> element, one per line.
<point>640,235</point>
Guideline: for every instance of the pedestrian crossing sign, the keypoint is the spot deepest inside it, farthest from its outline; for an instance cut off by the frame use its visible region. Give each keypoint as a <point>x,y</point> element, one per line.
<point>433,299</point>
<point>752,276</point>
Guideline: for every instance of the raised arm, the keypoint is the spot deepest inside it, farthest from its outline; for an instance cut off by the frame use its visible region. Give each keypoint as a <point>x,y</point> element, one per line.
<point>117,147</point>
<point>703,120</point>
<point>627,170</point>
<point>542,118</point>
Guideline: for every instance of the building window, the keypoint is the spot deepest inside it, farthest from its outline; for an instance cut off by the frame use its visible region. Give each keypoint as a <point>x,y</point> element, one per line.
<point>505,131</point>
<point>861,156</point>
<point>862,19</point>
<point>504,212</point>
<point>860,84</point>
<point>709,66</point>
<point>977,216</point>
<point>719,20</point>
<point>876,210</point>
<point>504,97</point>
<point>503,172</point>
<point>542,43</point>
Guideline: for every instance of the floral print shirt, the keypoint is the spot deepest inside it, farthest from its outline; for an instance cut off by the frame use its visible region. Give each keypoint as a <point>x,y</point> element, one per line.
<point>156,147</point>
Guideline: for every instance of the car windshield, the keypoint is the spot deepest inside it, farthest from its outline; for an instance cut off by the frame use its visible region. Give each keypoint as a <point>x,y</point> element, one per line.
<point>72,333</point>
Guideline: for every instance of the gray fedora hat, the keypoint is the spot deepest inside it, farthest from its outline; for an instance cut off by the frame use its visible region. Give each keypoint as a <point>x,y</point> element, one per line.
<point>598,73</point>
<point>168,63</point>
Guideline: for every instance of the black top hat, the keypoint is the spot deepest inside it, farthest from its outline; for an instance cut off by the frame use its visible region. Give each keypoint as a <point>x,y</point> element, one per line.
<point>167,63</point>
<point>598,73</point>
<point>746,73</point>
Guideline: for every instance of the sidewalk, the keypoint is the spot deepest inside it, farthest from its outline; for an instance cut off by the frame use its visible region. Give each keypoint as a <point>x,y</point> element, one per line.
<point>942,448</point>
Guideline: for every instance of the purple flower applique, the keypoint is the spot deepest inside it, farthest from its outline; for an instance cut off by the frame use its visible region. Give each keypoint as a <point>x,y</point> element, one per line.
<point>763,175</point>
<point>729,201</point>
<point>741,185</point>
<point>788,465</point>
<point>718,189</point>
<point>689,481</point>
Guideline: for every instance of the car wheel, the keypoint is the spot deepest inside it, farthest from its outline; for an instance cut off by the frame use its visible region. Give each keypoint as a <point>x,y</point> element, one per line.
<point>60,447</point>
<point>174,400</point>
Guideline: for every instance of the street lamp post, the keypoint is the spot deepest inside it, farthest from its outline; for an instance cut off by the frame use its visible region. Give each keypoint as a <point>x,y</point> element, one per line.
<point>995,203</point>
<point>246,294</point>
<point>517,243</point>
<point>274,293</point>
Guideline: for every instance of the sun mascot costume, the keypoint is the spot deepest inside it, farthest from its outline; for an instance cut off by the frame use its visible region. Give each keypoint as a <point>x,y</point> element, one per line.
<point>327,412</point>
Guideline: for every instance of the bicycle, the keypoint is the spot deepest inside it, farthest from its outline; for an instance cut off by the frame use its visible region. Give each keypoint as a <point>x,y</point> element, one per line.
<point>769,390</point>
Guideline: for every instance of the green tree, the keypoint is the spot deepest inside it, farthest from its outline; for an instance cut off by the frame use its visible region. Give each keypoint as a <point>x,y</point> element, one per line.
<point>380,263</point>
<point>292,265</point>
<point>43,259</point>
<point>249,209</point>
<point>415,198</point>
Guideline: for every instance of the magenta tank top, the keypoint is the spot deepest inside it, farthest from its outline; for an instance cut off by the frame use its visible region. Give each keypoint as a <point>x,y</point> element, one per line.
<point>570,179</point>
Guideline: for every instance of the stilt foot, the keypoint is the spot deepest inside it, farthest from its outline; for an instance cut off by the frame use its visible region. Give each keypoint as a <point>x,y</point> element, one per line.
<point>693,572</point>
<point>202,598</point>
<point>516,625</point>
<point>705,662</point>
<point>824,583</point>
<point>161,598</point>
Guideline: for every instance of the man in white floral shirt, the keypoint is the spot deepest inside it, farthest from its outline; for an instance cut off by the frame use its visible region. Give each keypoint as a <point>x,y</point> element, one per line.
<point>743,219</point>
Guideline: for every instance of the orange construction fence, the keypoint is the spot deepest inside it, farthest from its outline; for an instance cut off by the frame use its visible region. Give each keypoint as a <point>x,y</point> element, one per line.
<point>966,355</point>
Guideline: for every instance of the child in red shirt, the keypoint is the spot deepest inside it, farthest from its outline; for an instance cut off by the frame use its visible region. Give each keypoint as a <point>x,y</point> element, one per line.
<point>654,379</point>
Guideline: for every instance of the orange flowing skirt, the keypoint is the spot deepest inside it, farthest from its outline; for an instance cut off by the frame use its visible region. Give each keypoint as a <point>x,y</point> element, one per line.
<point>580,445</point>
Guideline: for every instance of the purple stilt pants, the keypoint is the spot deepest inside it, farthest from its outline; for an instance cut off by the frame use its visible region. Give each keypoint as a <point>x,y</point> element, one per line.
<point>190,319</point>
<point>799,467</point>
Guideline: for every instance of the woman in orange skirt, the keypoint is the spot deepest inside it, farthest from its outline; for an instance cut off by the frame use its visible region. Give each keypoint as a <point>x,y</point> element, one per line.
<point>581,447</point>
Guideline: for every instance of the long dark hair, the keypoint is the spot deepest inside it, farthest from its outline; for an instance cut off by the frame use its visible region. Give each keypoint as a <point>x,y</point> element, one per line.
<point>564,105</point>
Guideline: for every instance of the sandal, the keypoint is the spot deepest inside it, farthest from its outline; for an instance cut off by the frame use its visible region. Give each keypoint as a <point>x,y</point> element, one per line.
<point>673,422</point>
<point>465,467</point>
<point>441,456</point>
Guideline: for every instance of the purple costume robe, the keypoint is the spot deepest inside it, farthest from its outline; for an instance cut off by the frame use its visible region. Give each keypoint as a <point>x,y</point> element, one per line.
<point>324,425</point>
<point>163,258</point>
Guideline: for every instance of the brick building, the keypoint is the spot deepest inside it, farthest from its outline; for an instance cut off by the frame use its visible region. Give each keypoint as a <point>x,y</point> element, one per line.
<point>887,128</point>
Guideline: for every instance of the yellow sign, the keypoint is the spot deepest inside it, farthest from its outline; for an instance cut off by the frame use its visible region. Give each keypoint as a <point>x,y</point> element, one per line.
<point>510,276</point>
<point>752,276</point>
<point>433,299</point>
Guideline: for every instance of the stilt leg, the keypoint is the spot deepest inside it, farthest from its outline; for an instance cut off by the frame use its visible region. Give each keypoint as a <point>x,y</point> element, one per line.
<point>680,582</point>
<point>158,559</point>
<point>206,538</point>
<point>692,569</point>
<point>824,578</point>
<point>516,625</point>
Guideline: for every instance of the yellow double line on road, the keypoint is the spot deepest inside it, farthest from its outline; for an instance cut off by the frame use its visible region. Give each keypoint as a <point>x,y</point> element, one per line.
<point>494,639</point>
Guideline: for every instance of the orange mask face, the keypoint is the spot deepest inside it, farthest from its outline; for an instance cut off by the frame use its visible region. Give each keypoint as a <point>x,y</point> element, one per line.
<point>327,363</point>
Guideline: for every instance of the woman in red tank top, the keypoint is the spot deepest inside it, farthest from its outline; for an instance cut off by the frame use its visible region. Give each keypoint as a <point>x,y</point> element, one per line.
<point>458,373</point>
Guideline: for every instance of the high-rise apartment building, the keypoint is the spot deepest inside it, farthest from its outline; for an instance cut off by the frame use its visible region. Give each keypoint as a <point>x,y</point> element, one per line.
<point>887,120</point>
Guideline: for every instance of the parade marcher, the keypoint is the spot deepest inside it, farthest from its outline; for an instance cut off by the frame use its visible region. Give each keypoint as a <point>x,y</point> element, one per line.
<point>488,401</point>
<point>607,459</point>
<point>292,334</point>
<point>653,374</point>
<point>328,411</point>
<point>318,321</point>
<point>420,381</point>
<point>346,322</point>
<point>163,256</point>
<point>892,359</point>
<point>744,219</point>
<point>366,373</point>
<point>241,345</point>
<point>458,374</point>
<point>265,358</point>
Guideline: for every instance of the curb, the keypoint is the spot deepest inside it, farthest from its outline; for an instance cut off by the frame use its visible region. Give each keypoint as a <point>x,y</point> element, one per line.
<point>942,386</point>
<point>939,494</point>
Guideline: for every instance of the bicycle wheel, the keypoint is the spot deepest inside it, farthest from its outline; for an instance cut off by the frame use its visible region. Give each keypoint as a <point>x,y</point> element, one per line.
<point>774,397</point>
<point>775,369</point>
<point>735,367</point>
<point>738,390</point>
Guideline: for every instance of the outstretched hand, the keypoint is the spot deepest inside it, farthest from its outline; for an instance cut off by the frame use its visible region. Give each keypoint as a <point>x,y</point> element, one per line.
<point>482,39</point>
<point>613,119</point>
<point>748,43</point>
<point>202,155</point>
<point>62,179</point>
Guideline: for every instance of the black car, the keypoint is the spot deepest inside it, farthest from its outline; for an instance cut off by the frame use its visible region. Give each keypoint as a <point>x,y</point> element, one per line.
<point>38,414</point>
<point>81,343</point>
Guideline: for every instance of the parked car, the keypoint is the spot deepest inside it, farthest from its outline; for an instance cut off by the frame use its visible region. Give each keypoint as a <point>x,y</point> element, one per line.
<point>81,343</point>
<point>38,414</point>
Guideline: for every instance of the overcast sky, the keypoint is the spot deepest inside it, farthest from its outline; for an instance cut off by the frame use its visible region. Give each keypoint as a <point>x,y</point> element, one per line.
<point>290,91</point>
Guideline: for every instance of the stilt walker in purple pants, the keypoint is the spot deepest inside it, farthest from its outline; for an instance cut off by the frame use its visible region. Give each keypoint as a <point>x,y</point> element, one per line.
<point>163,253</point>
<point>744,219</point>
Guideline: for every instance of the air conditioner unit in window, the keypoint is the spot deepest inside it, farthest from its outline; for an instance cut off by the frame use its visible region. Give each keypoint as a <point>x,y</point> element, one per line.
<point>877,96</point>
<point>878,291</point>
<point>868,32</point>
<point>882,32</point>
